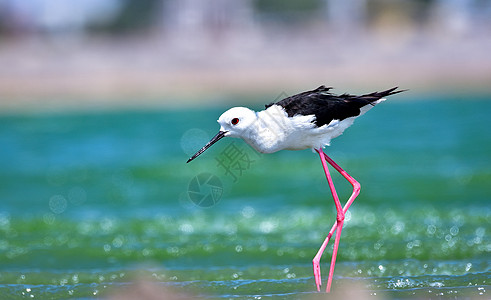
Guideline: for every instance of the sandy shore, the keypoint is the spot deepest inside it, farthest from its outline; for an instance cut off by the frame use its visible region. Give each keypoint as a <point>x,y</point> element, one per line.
<point>155,71</point>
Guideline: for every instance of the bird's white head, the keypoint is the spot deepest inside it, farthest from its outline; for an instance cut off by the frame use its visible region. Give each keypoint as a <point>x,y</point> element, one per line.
<point>235,122</point>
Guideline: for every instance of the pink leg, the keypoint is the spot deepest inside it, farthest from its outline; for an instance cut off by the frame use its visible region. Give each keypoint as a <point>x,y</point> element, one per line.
<point>339,220</point>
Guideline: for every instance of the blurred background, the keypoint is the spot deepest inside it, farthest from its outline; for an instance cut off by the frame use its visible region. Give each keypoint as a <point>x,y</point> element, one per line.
<point>102,103</point>
<point>131,51</point>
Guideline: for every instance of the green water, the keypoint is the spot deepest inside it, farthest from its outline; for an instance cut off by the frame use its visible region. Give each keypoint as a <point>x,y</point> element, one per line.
<point>91,201</point>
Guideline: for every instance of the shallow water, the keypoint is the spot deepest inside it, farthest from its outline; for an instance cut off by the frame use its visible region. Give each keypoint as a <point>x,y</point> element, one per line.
<point>92,201</point>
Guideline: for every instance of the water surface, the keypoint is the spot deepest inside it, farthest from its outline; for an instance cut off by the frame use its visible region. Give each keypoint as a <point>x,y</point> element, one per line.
<point>91,201</point>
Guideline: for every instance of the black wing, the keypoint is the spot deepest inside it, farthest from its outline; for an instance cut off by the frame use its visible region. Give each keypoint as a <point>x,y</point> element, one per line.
<point>327,106</point>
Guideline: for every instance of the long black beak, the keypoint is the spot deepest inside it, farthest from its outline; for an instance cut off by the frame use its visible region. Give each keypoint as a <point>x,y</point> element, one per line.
<point>215,139</point>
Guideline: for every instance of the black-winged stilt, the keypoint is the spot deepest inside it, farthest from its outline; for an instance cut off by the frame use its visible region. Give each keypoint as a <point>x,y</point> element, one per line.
<point>306,120</point>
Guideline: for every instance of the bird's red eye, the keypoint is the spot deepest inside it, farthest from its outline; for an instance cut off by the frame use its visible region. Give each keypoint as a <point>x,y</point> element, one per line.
<point>235,121</point>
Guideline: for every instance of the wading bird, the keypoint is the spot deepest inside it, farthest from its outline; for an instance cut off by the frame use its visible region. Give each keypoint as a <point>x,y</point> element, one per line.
<point>306,120</point>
